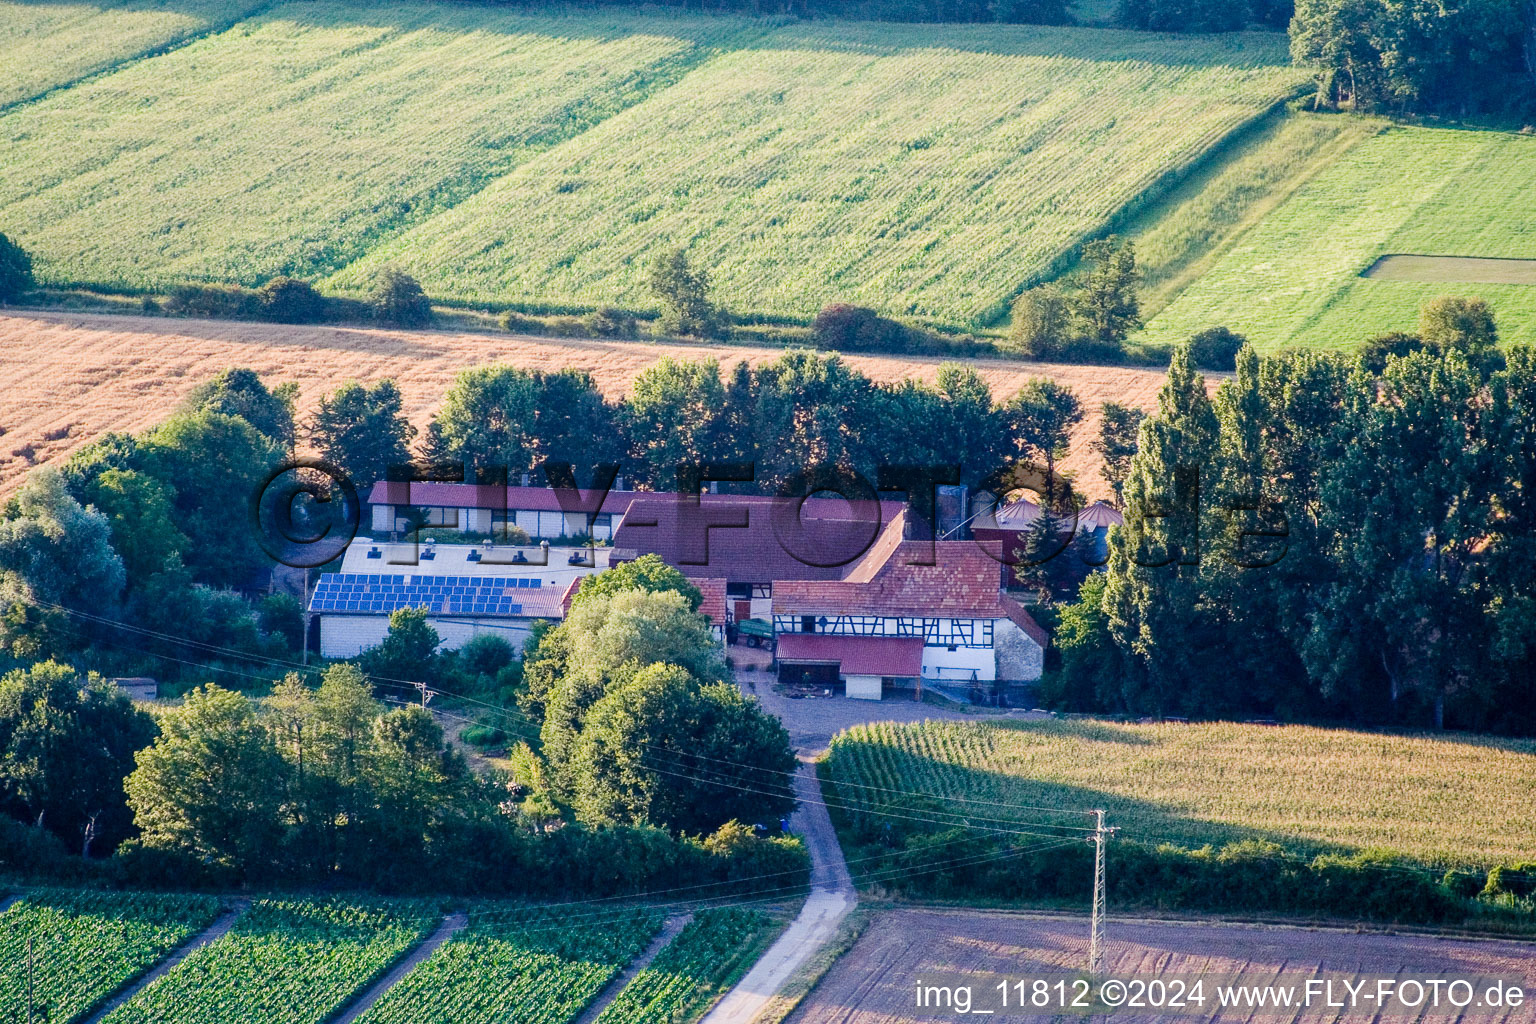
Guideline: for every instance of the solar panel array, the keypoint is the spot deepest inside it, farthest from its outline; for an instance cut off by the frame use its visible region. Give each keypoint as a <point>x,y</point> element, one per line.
<point>449,595</point>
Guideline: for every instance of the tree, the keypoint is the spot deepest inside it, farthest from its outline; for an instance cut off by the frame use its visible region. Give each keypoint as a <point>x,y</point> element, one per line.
<point>140,511</point>
<point>671,416</point>
<point>1117,443</point>
<point>408,652</point>
<point>1089,661</point>
<point>1394,344</point>
<point>240,392</point>
<point>1105,307</point>
<point>684,296</point>
<point>487,418</point>
<point>1031,12</point>
<point>810,410</point>
<point>572,422</point>
<point>1182,15</point>
<point>413,780</point>
<point>62,552</point>
<point>662,749</point>
<point>1042,415</point>
<point>1041,324</point>
<point>211,784</point>
<point>1462,325</point>
<point>1215,348</point>
<point>363,430</point>
<point>65,746</point>
<point>1153,592</point>
<point>647,573</point>
<point>398,301</point>
<point>214,463</point>
<point>15,270</point>
<point>287,300</point>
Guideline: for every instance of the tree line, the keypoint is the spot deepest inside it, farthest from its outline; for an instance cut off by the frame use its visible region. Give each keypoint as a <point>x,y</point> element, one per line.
<point>1330,537</point>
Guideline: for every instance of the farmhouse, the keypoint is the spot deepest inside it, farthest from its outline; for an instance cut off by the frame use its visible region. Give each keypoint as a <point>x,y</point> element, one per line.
<point>543,513</point>
<point>907,612</point>
<point>1003,531</point>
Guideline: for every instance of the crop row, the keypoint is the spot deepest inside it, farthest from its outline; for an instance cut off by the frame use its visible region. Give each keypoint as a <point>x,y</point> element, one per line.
<point>86,945</point>
<point>284,962</point>
<point>515,966</point>
<point>1421,797</point>
<point>691,970</point>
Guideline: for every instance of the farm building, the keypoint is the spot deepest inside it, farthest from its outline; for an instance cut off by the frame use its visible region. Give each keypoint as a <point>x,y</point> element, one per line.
<point>1004,531</point>
<point>541,512</point>
<point>907,612</point>
<point>468,590</point>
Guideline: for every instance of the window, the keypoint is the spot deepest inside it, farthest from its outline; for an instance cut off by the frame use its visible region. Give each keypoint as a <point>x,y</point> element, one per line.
<point>807,623</point>
<point>738,590</point>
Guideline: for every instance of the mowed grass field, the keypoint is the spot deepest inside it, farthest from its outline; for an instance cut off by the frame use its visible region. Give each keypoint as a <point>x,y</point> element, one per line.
<point>920,169</point>
<point>1434,800</point>
<point>506,157</point>
<point>1294,278</point>
<point>47,45</point>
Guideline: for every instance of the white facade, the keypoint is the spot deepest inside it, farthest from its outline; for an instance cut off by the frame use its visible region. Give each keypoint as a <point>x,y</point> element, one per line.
<point>863,687</point>
<point>954,650</point>
<point>537,524</point>
<point>347,636</point>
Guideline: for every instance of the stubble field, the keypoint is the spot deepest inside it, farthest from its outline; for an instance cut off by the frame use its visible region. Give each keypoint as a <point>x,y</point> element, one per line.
<point>66,378</point>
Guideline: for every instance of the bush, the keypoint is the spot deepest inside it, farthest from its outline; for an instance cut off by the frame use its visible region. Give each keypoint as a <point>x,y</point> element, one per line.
<point>483,736</point>
<point>214,301</point>
<point>398,300</point>
<point>1378,350</point>
<point>608,322</point>
<point>517,323</point>
<point>1041,324</point>
<point>1518,880</point>
<point>847,328</point>
<point>15,270</point>
<point>1216,348</point>
<point>287,300</point>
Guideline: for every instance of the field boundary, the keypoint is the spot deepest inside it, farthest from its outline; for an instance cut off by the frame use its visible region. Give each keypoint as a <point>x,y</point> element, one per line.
<point>215,931</point>
<point>158,50</point>
<point>670,929</point>
<point>412,958</point>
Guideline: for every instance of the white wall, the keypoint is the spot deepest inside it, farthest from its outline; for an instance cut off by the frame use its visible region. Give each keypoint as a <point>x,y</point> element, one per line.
<point>863,687</point>
<point>957,665</point>
<point>347,636</point>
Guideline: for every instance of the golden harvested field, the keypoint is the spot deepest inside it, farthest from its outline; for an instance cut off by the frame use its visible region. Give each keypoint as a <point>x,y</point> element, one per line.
<point>66,378</point>
<point>876,981</point>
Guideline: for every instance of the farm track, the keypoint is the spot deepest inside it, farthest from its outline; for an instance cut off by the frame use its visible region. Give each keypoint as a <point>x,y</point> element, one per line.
<point>669,931</point>
<point>68,378</point>
<point>215,931</point>
<point>451,925</point>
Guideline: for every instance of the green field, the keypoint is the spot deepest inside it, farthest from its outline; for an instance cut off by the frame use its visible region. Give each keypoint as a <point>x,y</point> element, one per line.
<point>1294,278</point>
<point>87,945</point>
<point>298,139</point>
<point>1463,800</point>
<point>925,170</point>
<point>522,966</point>
<point>47,45</point>
<point>284,962</point>
<point>694,968</point>
<point>507,157</point>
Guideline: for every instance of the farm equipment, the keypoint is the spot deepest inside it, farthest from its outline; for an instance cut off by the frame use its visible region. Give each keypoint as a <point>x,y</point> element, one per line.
<point>755,632</point>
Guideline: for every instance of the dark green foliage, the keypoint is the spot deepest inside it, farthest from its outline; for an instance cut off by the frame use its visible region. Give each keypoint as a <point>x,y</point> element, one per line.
<point>1104,306</point>
<point>1183,15</point>
<point>398,301</point>
<point>1378,350</point>
<point>408,652</point>
<point>483,736</point>
<point>607,322</point>
<point>1414,54</point>
<point>1117,442</point>
<point>684,295</point>
<point>240,392</point>
<point>282,615</point>
<point>1041,323</point>
<point>287,300</point>
<point>213,301</point>
<point>66,744</point>
<point>1032,12</point>
<point>1215,348</point>
<point>364,431</point>
<point>15,270</point>
<point>844,328</point>
<point>648,573</point>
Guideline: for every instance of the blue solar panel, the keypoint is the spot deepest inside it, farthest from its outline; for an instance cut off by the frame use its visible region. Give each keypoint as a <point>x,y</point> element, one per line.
<point>451,595</point>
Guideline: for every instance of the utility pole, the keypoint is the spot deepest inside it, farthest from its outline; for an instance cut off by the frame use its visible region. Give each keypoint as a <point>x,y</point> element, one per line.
<point>426,694</point>
<point>1096,933</point>
<point>306,615</point>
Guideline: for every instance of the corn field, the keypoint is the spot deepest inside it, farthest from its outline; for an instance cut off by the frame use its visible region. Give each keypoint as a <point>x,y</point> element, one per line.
<point>693,969</point>
<point>1437,800</point>
<point>87,944</point>
<point>518,966</point>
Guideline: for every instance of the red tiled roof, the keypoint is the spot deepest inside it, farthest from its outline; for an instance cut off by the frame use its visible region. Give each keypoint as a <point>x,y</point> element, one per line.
<point>713,604</point>
<point>898,656</point>
<point>1020,617</point>
<point>962,582</point>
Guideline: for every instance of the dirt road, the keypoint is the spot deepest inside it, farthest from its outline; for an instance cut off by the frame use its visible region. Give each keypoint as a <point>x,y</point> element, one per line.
<point>832,897</point>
